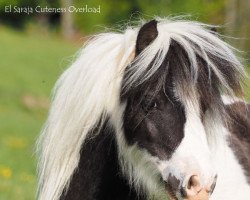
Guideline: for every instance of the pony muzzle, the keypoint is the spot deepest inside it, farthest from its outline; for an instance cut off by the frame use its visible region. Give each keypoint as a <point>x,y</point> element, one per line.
<point>190,188</point>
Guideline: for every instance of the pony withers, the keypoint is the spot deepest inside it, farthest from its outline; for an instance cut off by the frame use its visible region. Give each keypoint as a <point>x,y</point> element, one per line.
<point>149,113</point>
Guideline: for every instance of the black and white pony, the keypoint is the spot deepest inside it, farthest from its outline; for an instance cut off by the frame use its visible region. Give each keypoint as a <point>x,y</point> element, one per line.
<point>150,113</point>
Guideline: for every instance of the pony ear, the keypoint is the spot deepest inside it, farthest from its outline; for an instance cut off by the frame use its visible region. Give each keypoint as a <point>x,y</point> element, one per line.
<point>214,30</point>
<point>146,35</point>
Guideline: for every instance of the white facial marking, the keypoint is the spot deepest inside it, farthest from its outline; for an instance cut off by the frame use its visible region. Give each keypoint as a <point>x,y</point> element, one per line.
<point>192,156</point>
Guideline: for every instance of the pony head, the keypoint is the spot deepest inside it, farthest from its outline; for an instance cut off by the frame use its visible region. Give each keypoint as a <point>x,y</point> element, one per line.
<point>160,87</point>
<point>171,103</point>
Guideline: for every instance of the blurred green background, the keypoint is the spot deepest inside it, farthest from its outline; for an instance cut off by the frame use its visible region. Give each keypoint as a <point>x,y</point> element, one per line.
<point>35,48</point>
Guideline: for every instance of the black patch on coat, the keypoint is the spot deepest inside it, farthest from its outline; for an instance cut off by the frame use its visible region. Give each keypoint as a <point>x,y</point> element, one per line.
<point>239,126</point>
<point>98,176</point>
<point>153,118</point>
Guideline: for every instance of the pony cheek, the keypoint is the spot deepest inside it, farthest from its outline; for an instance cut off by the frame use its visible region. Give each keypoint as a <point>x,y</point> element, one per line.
<point>152,129</point>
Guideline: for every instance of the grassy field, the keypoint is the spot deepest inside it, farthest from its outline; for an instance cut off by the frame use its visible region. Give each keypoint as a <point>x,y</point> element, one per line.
<point>29,66</point>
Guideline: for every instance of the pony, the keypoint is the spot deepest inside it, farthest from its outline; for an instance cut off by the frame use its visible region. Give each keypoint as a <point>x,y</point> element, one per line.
<point>152,112</point>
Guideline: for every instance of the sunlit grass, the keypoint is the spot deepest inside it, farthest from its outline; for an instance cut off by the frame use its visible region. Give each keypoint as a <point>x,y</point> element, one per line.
<point>29,66</point>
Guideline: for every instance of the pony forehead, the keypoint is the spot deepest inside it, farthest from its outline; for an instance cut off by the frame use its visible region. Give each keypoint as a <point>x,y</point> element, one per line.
<point>198,42</point>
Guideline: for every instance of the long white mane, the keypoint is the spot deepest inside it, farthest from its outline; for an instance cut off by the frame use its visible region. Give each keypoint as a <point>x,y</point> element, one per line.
<point>89,90</point>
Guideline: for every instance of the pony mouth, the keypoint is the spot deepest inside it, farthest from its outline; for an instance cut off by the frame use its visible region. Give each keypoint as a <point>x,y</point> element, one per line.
<point>171,193</point>
<point>203,194</point>
<point>172,196</point>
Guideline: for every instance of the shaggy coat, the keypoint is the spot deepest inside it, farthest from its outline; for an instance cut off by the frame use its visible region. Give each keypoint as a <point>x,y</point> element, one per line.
<point>139,113</point>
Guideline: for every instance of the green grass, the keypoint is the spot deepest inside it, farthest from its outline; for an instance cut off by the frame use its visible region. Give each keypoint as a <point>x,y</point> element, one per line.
<point>29,67</point>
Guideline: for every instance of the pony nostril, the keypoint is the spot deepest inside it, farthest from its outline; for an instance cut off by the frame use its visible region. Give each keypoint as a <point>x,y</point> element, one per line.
<point>194,189</point>
<point>194,186</point>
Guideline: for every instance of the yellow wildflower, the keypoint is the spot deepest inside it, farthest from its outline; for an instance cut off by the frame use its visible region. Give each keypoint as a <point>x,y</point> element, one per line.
<point>5,172</point>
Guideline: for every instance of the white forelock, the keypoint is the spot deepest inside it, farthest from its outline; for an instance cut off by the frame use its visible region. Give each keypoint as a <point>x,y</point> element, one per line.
<point>196,39</point>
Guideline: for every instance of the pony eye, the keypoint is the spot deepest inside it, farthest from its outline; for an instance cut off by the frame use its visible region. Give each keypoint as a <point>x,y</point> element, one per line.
<point>154,105</point>
<point>147,106</point>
